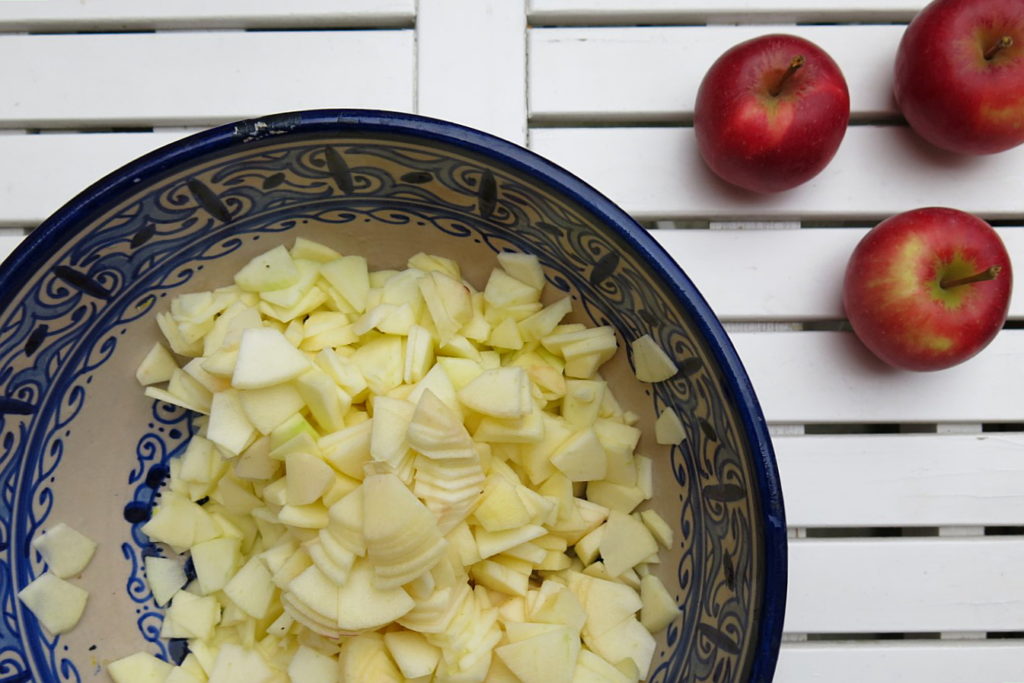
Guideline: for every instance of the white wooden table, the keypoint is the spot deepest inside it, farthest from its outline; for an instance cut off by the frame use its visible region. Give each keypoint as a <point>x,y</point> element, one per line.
<point>905,492</point>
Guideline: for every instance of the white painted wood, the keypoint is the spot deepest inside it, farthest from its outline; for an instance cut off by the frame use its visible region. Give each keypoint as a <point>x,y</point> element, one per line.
<point>907,585</point>
<point>657,173</point>
<point>198,78</point>
<point>903,480</point>
<point>906,662</point>
<point>801,279</point>
<point>824,377</point>
<point>710,11</point>
<point>9,239</point>
<point>38,173</point>
<point>64,15</point>
<point>471,64</point>
<point>653,73</point>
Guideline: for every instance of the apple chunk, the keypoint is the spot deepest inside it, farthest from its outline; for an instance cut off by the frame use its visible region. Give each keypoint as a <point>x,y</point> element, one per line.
<point>66,551</point>
<point>57,604</point>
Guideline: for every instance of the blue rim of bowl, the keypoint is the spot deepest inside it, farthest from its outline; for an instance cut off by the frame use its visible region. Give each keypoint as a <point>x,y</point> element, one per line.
<point>36,248</point>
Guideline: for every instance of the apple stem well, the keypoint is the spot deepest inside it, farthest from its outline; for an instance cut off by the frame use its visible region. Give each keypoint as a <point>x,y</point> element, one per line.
<point>988,274</point>
<point>794,65</point>
<point>1001,44</point>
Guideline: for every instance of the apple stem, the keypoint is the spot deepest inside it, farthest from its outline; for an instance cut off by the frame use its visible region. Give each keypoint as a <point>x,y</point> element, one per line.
<point>1001,44</point>
<point>987,274</point>
<point>794,65</point>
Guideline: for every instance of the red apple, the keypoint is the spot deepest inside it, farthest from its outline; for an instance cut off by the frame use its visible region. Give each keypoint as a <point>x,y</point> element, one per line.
<point>771,112</point>
<point>928,288</point>
<point>960,75</point>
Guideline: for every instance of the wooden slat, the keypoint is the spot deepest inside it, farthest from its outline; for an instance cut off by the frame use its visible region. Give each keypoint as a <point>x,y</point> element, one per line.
<point>93,15</point>
<point>830,377</point>
<point>471,62</point>
<point>9,239</point>
<point>909,662</point>
<point>905,585</point>
<point>38,173</point>
<point>803,278</point>
<point>725,11</point>
<point>657,173</point>
<point>902,480</point>
<point>653,73</point>
<point>191,78</point>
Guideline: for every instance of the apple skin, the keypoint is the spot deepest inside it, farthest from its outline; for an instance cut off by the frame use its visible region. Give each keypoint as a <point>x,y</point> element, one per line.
<point>948,91</point>
<point>894,300</point>
<point>768,142</point>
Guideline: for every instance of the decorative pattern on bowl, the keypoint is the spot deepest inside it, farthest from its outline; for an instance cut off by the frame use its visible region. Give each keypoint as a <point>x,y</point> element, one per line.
<point>81,444</point>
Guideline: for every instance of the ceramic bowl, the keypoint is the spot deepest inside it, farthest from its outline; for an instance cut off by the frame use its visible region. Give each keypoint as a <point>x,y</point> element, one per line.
<point>81,444</point>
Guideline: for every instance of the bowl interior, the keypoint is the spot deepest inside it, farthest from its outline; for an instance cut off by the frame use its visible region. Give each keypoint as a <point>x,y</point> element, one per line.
<point>77,303</point>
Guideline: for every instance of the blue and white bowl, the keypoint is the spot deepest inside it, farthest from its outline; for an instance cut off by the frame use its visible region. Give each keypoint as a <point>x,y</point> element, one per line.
<point>81,445</point>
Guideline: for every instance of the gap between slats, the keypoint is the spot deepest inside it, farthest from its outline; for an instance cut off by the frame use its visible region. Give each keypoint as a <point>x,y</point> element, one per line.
<point>628,12</point>
<point>120,15</point>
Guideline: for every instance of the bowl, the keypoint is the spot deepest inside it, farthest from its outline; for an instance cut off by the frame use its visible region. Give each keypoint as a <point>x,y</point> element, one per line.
<point>77,304</point>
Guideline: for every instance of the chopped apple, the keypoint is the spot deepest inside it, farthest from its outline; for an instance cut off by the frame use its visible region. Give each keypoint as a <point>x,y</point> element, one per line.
<point>165,577</point>
<point>659,608</point>
<point>523,267</point>
<point>157,366</point>
<point>545,657</point>
<point>271,270</point>
<point>412,653</point>
<point>503,392</point>
<point>349,276</point>
<point>309,477</point>
<point>309,666</point>
<point>650,362</point>
<point>140,667</point>
<point>65,551</point>
<point>57,604</point>
<point>268,407</point>
<point>668,428</point>
<point>215,561</point>
<point>625,543</point>
<point>266,358</point>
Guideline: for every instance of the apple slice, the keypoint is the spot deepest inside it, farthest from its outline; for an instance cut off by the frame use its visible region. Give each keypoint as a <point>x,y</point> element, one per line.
<point>252,588</point>
<point>165,577</point>
<point>363,606</point>
<point>625,543</point>
<point>266,358</point>
<point>57,604</point>
<point>65,551</point>
<point>157,366</point>
<point>437,431</point>
<point>668,428</point>
<point>412,653</point>
<point>545,657</point>
<point>309,477</point>
<point>650,362</point>
<point>503,392</point>
<point>140,667</point>
<point>350,277</point>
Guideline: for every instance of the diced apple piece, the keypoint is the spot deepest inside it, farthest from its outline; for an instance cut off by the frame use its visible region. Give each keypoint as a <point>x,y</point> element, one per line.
<point>412,653</point>
<point>197,615</point>
<point>592,668</point>
<point>627,640</point>
<point>523,267</point>
<point>215,561</point>
<point>268,407</point>
<point>362,605</point>
<point>650,362</point>
<point>350,277</point>
<point>165,577</point>
<point>659,609</point>
<point>309,666</point>
<point>501,507</point>
<point>157,366</point>
<point>658,527</point>
<point>502,392</point>
<point>549,656</point>
<point>347,450</point>
<point>503,290</point>
<point>499,577</point>
<point>625,542</point>
<point>668,428</point>
<point>313,251</point>
<point>581,457</point>
<point>252,588</point>
<point>391,418</point>
<point>382,362</point>
<point>614,496</point>
<point>255,463</point>
<point>365,658</point>
<point>235,663</point>
<point>65,551</point>
<point>57,604</point>
<point>437,431</point>
<point>309,477</point>
<point>271,270</point>
<point>266,358</point>
<point>140,667</point>
<point>493,542</point>
<point>229,428</point>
